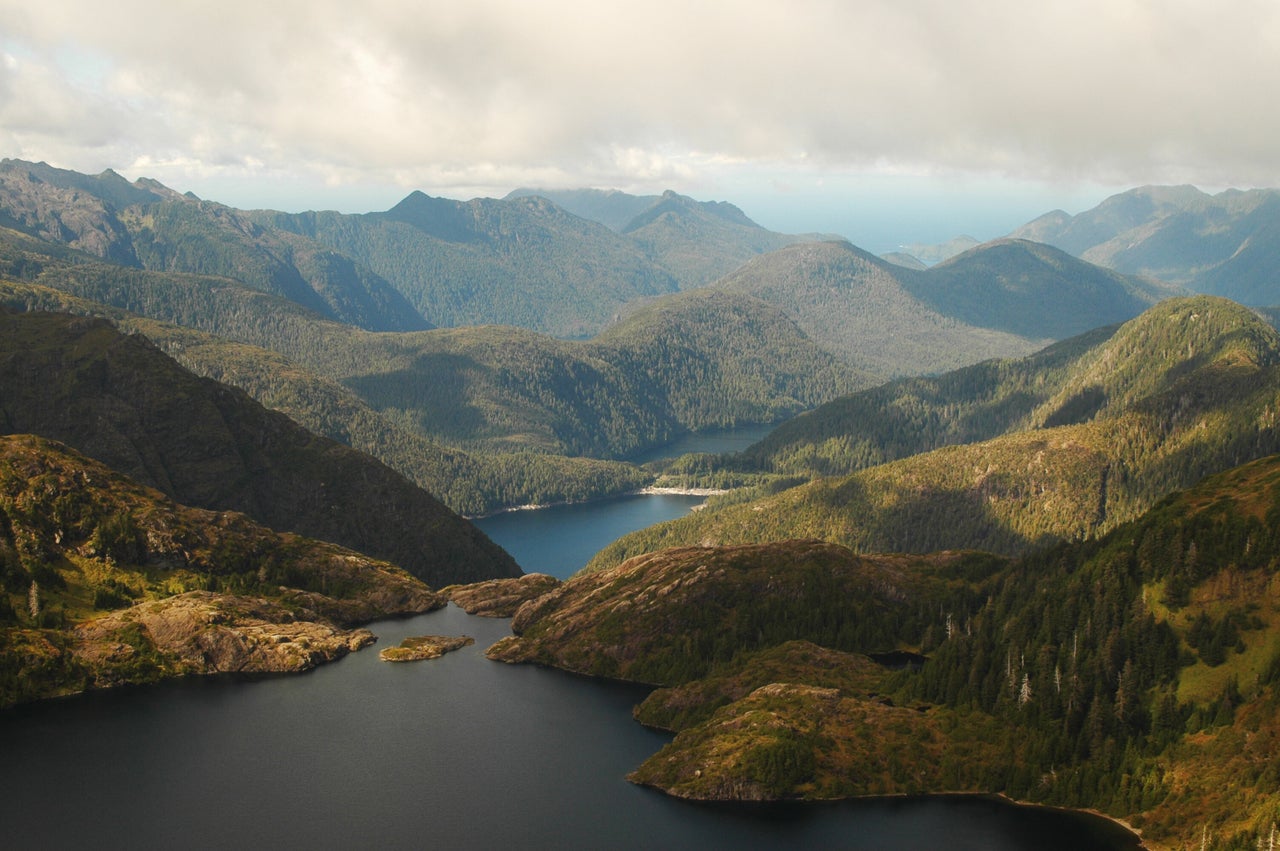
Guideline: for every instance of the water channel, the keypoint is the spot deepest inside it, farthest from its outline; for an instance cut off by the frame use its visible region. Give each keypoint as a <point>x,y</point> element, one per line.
<point>459,752</point>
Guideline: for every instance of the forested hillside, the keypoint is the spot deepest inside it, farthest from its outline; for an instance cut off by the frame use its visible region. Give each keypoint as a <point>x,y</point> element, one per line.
<point>104,582</point>
<point>494,388</point>
<point>1189,388</point>
<point>697,242</point>
<point>999,300</point>
<point>522,262</point>
<point>1136,674</point>
<point>146,225</point>
<point>121,401</point>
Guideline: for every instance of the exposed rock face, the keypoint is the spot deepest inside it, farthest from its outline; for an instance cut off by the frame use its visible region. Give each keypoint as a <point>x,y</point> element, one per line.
<point>500,598</point>
<point>205,633</point>
<point>423,647</point>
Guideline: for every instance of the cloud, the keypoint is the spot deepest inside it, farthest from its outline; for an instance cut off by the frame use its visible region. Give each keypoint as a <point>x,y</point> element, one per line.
<point>501,92</point>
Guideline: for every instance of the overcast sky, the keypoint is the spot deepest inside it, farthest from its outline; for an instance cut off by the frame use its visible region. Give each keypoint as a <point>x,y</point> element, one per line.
<point>884,120</point>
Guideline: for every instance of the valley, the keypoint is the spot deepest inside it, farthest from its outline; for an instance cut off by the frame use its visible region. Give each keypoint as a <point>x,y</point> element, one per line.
<point>233,438</point>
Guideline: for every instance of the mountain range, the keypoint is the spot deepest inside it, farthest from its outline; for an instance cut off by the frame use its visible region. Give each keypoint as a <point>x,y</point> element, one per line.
<point>1222,244</point>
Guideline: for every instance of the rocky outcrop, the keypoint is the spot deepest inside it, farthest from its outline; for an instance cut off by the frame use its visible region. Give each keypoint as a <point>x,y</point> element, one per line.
<point>121,585</point>
<point>418,648</point>
<point>205,633</point>
<point>500,598</point>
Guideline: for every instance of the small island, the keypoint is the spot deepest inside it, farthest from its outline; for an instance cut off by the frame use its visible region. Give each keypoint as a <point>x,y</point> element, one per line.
<point>417,648</point>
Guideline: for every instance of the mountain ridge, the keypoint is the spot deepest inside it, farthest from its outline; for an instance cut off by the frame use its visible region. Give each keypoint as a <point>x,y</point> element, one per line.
<point>120,400</point>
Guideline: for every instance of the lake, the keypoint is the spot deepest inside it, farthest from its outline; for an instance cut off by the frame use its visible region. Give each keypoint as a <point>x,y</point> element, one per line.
<point>458,752</point>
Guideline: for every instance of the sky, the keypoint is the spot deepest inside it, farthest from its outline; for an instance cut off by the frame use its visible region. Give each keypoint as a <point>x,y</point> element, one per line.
<point>884,121</point>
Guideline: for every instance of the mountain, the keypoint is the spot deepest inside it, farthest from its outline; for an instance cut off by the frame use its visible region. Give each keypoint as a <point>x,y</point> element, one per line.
<point>523,262</point>
<point>1001,299</point>
<point>1135,674</point>
<point>488,389</point>
<point>610,207</point>
<point>104,582</point>
<point>1032,290</point>
<point>1223,244</point>
<point>928,255</point>
<point>146,225</point>
<point>121,401</point>
<point>1185,390</point>
<point>697,242</point>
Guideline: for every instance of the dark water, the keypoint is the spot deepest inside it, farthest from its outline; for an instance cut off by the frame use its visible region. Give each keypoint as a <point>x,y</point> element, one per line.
<point>560,540</point>
<point>459,752</point>
<point>455,753</point>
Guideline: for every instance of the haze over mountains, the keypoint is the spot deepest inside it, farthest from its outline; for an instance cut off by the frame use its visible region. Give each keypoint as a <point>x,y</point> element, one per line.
<point>1221,244</point>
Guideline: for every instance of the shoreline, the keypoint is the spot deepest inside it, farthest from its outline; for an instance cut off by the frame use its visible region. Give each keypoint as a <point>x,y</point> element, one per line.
<point>650,490</point>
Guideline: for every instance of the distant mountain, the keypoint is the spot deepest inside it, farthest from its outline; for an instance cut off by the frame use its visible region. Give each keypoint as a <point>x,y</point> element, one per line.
<point>697,242</point>
<point>1224,244</point>
<point>610,207</point>
<point>523,262</point>
<point>700,241</point>
<point>1001,299</point>
<point>1033,290</point>
<point>491,392</point>
<point>148,226</point>
<point>1068,445</point>
<point>123,402</point>
<point>928,254</point>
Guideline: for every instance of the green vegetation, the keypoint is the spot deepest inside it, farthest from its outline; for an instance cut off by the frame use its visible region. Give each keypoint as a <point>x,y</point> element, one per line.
<point>475,415</point>
<point>104,582</point>
<point>1135,673</point>
<point>1000,300</point>
<point>1222,244</point>
<point>1185,390</point>
<point>148,226</point>
<point>120,400</point>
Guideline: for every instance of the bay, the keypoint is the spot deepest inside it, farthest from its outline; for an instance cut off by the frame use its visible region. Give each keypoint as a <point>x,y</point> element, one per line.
<point>457,753</point>
<point>559,540</point>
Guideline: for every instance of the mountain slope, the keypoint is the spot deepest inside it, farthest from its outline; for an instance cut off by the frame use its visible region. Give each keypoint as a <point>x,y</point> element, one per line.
<point>123,402</point>
<point>489,388</point>
<point>699,242</point>
<point>1223,244</point>
<point>997,300</point>
<point>147,225</point>
<point>523,262</point>
<point>1032,290</point>
<point>610,207</point>
<point>1189,388</point>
